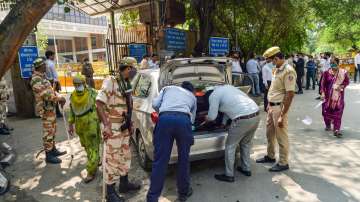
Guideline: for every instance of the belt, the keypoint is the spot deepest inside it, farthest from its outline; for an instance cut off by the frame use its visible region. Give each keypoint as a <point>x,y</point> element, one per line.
<point>247,116</point>
<point>174,113</point>
<point>117,120</point>
<point>274,103</point>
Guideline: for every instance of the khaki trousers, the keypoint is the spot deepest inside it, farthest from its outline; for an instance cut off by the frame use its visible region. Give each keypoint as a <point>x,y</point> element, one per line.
<point>273,132</point>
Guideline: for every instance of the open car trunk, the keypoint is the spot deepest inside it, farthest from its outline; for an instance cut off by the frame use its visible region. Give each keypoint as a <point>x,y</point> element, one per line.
<point>202,110</point>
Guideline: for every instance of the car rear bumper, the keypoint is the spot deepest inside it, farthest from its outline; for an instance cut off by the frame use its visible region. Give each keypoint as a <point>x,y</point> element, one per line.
<point>206,146</point>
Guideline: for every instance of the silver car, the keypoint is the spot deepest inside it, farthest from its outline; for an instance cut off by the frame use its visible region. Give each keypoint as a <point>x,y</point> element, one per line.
<point>203,73</point>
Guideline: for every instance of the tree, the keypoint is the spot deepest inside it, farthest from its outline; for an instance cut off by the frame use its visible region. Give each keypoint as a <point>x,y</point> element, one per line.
<point>17,25</point>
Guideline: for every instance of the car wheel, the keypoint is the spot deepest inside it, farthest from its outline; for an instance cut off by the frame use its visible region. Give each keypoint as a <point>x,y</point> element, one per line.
<point>144,160</point>
<point>4,183</point>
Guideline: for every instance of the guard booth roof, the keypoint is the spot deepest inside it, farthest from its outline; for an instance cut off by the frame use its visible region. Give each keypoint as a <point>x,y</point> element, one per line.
<point>99,7</point>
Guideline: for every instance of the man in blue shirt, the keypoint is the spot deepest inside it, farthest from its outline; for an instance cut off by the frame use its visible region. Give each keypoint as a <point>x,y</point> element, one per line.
<point>253,68</point>
<point>243,113</point>
<point>311,72</point>
<point>177,108</point>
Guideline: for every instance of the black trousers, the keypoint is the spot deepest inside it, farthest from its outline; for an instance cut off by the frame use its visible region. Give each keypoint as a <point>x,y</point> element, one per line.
<point>299,82</point>
<point>266,91</point>
<point>357,70</point>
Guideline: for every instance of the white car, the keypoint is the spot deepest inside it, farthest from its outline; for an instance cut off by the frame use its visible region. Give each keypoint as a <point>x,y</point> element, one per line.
<point>203,73</point>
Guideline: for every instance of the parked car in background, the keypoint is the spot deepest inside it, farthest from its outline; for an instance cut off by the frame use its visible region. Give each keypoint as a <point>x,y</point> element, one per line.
<point>204,73</point>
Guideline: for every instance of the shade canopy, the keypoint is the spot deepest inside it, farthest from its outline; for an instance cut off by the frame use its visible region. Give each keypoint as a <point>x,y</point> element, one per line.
<point>98,7</point>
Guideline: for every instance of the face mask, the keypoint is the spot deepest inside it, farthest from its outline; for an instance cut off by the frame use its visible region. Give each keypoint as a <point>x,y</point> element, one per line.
<point>80,88</point>
<point>334,66</point>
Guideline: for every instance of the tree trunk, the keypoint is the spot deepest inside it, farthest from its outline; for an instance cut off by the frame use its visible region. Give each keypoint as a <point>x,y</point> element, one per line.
<point>24,97</point>
<point>205,10</point>
<point>17,25</point>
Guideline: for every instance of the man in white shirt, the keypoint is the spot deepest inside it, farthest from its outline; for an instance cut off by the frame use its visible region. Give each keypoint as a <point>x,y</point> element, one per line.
<point>236,68</point>
<point>267,78</point>
<point>243,113</point>
<point>252,67</point>
<point>154,62</point>
<point>357,65</point>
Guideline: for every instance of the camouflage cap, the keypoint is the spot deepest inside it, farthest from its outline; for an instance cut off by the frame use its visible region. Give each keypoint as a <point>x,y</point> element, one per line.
<point>128,61</point>
<point>79,79</point>
<point>271,52</point>
<point>38,62</point>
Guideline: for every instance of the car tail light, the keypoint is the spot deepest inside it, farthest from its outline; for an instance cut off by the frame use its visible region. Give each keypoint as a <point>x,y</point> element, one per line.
<point>154,117</point>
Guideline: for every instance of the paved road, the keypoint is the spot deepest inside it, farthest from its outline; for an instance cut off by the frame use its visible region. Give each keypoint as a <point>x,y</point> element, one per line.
<point>323,168</point>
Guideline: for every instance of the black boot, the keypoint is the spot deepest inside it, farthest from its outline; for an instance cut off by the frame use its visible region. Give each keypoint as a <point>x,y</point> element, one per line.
<point>51,158</point>
<point>57,152</point>
<point>111,195</point>
<point>3,131</point>
<point>126,186</point>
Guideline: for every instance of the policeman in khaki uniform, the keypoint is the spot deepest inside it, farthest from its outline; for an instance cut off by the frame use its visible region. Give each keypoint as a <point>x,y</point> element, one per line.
<point>114,106</point>
<point>280,96</point>
<point>46,100</point>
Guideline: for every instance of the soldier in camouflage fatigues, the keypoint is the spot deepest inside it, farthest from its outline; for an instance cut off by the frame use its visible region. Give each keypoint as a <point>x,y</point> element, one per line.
<point>114,107</point>
<point>46,100</point>
<point>4,97</point>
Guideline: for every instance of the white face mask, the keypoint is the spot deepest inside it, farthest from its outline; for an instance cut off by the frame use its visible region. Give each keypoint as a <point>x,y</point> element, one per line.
<point>80,88</point>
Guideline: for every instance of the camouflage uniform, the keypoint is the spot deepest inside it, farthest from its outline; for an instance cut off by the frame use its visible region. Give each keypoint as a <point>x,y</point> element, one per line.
<point>45,98</point>
<point>4,96</point>
<point>118,155</point>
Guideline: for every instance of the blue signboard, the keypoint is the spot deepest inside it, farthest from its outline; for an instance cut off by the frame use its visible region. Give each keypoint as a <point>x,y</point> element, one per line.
<point>175,39</point>
<point>218,46</point>
<point>27,55</point>
<point>137,51</point>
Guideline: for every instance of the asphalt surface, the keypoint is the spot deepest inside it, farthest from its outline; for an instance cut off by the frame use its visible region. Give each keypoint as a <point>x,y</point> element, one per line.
<point>323,168</point>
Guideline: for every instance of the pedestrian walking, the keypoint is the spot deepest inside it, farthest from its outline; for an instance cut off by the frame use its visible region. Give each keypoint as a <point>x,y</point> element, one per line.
<point>280,96</point>
<point>357,65</point>
<point>46,101</point>
<point>88,71</point>
<point>87,126</point>
<point>310,73</point>
<point>177,108</point>
<point>253,69</point>
<point>333,87</point>
<point>243,113</point>
<point>114,107</point>
<point>300,71</point>
<point>324,66</point>
<point>267,78</point>
<point>4,97</point>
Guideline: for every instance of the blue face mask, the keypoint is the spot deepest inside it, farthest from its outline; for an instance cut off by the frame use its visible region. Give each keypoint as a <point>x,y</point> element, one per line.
<point>80,88</point>
<point>334,66</point>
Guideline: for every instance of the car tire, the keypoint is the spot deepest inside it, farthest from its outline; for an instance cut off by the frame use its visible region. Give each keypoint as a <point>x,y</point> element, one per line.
<point>4,182</point>
<point>144,159</point>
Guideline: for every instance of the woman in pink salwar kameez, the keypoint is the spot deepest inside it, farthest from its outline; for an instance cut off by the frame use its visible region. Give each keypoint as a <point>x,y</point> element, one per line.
<point>333,87</point>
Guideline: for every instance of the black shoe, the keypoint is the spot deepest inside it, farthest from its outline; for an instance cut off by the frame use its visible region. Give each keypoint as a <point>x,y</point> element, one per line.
<point>300,92</point>
<point>318,98</point>
<point>57,152</point>
<point>278,168</point>
<point>266,159</point>
<point>51,158</point>
<point>224,178</point>
<point>244,172</point>
<point>3,131</point>
<point>126,186</point>
<point>338,134</point>
<point>8,128</point>
<point>182,198</point>
<point>111,195</point>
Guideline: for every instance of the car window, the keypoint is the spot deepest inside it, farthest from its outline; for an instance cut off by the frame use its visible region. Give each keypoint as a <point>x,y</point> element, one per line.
<point>143,86</point>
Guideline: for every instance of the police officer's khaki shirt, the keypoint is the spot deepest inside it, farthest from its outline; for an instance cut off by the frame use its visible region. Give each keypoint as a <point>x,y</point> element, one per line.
<point>284,80</point>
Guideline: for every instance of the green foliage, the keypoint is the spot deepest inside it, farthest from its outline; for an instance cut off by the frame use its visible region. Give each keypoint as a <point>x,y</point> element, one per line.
<point>130,18</point>
<point>41,40</point>
<point>341,27</point>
